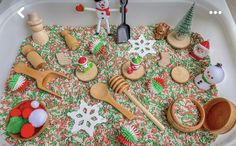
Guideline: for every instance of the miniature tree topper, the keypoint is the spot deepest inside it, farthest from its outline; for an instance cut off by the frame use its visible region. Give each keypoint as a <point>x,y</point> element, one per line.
<point>103,13</point>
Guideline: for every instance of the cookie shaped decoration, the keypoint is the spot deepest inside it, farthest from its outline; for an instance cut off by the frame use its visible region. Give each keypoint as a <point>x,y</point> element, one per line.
<point>180,75</point>
<point>17,83</point>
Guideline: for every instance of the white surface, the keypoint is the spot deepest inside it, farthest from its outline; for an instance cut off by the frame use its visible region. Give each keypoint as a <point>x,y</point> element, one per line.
<point>220,29</point>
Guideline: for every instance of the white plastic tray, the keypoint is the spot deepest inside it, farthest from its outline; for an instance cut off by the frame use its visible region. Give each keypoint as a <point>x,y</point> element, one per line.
<point>220,29</point>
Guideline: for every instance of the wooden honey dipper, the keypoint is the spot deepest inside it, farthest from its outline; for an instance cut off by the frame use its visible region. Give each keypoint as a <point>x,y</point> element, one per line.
<point>119,85</point>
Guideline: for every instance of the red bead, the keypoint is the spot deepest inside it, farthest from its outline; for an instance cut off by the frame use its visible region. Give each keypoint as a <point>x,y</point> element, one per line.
<point>79,8</point>
<point>15,112</point>
<point>82,60</point>
<point>27,131</point>
<point>26,112</point>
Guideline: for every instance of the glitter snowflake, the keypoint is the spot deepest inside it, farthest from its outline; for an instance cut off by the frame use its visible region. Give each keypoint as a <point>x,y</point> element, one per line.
<point>86,118</point>
<point>142,46</point>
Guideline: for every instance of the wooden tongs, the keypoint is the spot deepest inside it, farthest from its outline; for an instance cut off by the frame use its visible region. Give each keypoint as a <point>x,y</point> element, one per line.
<point>41,77</point>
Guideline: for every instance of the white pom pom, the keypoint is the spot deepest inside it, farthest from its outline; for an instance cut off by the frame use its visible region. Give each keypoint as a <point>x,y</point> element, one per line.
<point>34,104</point>
<point>38,117</point>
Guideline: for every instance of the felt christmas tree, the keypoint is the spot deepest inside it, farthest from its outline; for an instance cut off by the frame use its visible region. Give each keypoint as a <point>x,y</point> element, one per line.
<point>180,37</point>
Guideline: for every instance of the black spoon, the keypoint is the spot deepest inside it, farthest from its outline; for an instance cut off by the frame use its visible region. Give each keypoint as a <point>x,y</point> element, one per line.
<point>123,31</point>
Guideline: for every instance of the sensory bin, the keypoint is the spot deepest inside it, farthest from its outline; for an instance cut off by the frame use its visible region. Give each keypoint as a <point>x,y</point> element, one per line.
<point>75,92</point>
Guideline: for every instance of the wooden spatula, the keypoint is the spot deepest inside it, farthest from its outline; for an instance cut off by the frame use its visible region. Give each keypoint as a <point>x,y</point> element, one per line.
<point>100,91</point>
<point>41,77</point>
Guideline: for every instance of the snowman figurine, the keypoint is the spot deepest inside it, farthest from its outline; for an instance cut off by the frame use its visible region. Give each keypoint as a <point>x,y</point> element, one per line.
<point>103,13</point>
<point>211,76</point>
<point>200,51</point>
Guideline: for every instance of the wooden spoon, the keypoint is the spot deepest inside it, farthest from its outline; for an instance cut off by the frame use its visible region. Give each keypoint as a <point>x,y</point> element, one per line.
<point>100,91</point>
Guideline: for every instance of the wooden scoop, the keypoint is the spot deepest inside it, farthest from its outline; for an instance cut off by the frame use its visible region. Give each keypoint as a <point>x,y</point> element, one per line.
<point>119,85</point>
<point>41,77</point>
<point>100,91</point>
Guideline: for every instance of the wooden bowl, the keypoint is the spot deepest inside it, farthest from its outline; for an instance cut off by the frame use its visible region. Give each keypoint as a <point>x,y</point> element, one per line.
<point>172,119</point>
<point>220,116</point>
<point>38,131</point>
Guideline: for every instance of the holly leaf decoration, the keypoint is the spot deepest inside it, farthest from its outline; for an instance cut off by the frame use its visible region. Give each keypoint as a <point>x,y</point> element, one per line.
<point>15,124</point>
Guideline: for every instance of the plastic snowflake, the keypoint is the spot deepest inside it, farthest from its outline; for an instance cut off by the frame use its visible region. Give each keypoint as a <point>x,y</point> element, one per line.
<point>86,118</point>
<point>142,46</point>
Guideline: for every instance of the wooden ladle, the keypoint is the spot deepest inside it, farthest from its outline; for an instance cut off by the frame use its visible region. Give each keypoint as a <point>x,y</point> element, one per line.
<point>42,77</point>
<point>119,85</point>
<point>100,91</point>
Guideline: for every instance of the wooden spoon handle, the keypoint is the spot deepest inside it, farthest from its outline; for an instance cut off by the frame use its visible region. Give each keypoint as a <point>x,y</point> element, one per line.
<point>123,110</point>
<point>24,69</point>
<point>146,112</point>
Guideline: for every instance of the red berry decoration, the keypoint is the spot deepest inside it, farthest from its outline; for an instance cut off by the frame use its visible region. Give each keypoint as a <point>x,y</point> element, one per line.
<point>27,131</point>
<point>26,112</point>
<point>79,8</point>
<point>15,112</point>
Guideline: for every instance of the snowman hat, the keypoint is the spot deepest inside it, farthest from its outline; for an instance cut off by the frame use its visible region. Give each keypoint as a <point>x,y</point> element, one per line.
<point>97,0</point>
<point>34,19</point>
<point>204,45</point>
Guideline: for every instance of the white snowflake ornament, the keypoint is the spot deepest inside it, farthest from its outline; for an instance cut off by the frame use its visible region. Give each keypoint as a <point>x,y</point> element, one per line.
<point>86,118</point>
<point>142,46</point>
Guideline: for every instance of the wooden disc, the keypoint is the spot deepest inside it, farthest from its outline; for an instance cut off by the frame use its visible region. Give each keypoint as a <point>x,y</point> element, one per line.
<point>178,44</point>
<point>180,75</point>
<point>89,75</point>
<point>133,76</point>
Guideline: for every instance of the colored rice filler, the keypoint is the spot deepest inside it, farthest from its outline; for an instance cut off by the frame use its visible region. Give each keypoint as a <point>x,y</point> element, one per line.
<point>186,114</point>
<point>27,120</point>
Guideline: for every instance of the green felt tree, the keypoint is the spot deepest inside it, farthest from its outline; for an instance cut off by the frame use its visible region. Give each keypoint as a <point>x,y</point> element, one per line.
<point>183,28</point>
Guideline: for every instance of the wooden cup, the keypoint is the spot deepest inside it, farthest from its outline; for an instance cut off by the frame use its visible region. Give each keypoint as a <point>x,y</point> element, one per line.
<point>220,116</point>
<point>172,119</point>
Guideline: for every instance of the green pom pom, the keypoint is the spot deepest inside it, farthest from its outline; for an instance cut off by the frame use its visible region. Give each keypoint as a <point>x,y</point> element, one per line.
<point>15,124</point>
<point>156,86</point>
<point>129,136</point>
<point>13,80</point>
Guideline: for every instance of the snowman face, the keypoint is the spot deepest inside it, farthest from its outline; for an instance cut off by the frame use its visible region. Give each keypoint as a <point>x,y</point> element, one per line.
<point>102,4</point>
<point>214,74</point>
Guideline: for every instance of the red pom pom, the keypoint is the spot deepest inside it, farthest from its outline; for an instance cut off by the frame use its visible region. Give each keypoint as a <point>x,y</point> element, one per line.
<point>79,8</point>
<point>25,105</point>
<point>15,112</point>
<point>23,86</point>
<point>26,112</point>
<point>27,130</point>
